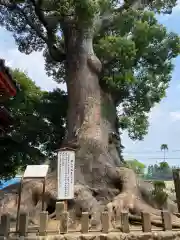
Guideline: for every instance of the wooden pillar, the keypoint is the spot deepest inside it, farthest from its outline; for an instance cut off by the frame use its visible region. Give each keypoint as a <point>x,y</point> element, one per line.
<point>146,222</point>
<point>125,222</point>
<point>5,225</point>
<point>23,224</point>
<point>64,222</point>
<point>43,223</point>
<point>59,210</point>
<point>105,222</point>
<point>176,178</point>
<point>85,222</point>
<point>166,221</point>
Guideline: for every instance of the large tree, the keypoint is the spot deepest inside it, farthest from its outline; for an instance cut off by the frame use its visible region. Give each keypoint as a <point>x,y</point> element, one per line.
<point>109,55</point>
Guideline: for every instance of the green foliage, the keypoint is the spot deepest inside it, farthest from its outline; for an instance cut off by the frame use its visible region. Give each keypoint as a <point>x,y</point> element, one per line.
<point>135,50</point>
<point>163,166</point>
<point>159,185</point>
<point>159,194</point>
<point>164,147</point>
<point>38,128</point>
<point>159,171</point>
<point>137,166</point>
<point>137,66</point>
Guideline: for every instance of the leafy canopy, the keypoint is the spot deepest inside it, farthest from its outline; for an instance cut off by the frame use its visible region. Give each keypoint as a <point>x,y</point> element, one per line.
<point>135,50</point>
<point>38,128</point>
<point>137,166</point>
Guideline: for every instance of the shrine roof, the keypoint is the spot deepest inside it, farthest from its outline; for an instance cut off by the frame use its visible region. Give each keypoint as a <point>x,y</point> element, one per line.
<point>8,87</point>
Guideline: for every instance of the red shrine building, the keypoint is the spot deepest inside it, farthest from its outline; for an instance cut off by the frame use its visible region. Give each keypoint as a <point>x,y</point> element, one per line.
<point>8,89</point>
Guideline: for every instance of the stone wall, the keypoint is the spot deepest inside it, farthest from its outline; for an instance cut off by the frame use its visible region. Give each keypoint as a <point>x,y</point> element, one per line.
<point>171,235</point>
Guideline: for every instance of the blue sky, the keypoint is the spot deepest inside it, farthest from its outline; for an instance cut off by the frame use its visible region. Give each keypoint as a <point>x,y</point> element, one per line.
<point>164,117</point>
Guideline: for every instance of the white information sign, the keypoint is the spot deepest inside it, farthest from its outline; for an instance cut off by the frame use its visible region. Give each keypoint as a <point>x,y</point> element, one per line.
<point>36,171</point>
<point>66,165</point>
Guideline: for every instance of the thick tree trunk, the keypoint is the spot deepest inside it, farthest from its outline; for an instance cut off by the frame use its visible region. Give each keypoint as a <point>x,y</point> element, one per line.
<point>91,124</point>
<point>91,113</point>
<point>84,111</point>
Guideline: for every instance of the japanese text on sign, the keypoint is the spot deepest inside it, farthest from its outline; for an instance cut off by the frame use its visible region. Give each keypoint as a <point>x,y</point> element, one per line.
<point>66,164</point>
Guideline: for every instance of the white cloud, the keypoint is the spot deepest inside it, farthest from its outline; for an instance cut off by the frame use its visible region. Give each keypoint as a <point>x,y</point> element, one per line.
<point>175,12</point>
<point>155,114</point>
<point>175,116</point>
<point>32,64</point>
<point>177,8</point>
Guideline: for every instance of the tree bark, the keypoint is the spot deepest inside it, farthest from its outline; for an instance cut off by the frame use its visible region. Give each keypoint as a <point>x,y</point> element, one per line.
<point>83,88</point>
<point>91,112</point>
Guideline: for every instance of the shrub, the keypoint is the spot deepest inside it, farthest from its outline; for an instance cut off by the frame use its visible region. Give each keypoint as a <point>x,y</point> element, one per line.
<point>159,195</point>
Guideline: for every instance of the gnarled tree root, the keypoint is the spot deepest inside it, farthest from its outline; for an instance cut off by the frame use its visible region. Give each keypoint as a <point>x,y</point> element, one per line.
<point>130,200</point>
<point>91,199</point>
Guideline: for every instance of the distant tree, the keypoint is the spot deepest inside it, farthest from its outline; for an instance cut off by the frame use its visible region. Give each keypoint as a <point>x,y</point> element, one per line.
<point>149,172</point>
<point>137,166</point>
<point>164,148</point>
<point>165,170</point>
<point>164,166</point>
<point>159,171</point>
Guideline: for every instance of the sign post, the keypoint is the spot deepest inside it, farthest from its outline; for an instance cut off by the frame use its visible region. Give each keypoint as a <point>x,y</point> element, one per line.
<point>38,172</point>
<point>65,175</point>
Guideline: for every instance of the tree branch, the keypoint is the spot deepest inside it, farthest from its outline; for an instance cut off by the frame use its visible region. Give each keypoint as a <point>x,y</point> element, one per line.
<point>37,6</point>
<point>11,5</point>
<point>31,24</point>
<point>57,53</point>
<point>6,3</point>
<point>108,17</point>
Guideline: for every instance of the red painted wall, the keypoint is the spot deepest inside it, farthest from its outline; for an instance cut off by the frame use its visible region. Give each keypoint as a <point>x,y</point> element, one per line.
<point>6,87</point>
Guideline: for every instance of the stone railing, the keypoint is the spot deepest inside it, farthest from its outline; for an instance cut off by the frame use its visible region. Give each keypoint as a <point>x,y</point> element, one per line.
<point>62,218</point>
